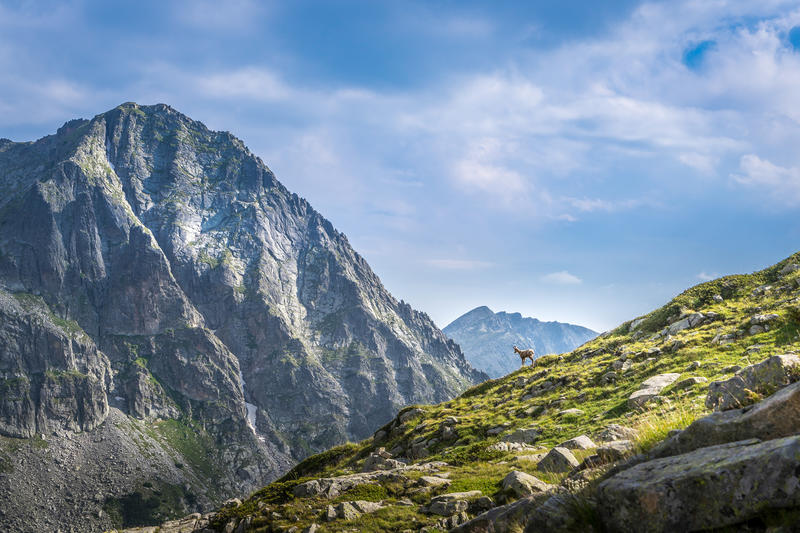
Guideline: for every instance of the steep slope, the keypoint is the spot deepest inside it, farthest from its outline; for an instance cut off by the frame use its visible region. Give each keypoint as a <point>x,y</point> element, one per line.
<point>487,338</point>
<point>548,448</point>
<point>157,272</point>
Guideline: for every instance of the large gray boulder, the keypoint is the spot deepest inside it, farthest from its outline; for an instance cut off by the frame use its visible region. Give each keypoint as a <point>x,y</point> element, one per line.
<point>650,389</point>
<point>521,484</point>
<point>613,451</point>
<point>775,417</point>
<point>510,517</point>
<point>708,488</point>
<point>452,503</point>
<point>753,382</point>
<point>581,442</point>
<point>614,432</point>
<point>558,460</point>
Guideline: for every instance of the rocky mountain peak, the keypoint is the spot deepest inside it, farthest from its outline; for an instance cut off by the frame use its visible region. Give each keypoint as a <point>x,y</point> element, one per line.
<point>159,271</point>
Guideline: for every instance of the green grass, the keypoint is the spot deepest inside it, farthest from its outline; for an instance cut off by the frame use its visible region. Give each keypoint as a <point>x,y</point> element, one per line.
<point>656,425</point>
<point>191,441</point>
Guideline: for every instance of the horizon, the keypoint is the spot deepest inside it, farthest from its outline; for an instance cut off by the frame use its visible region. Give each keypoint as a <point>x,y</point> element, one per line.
<point>580,164</point>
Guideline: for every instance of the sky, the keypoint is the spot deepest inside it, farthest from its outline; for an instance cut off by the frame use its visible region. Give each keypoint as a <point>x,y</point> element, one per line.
<point>578,161</point>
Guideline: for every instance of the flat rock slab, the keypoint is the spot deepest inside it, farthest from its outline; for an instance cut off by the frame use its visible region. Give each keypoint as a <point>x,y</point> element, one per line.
<point>523,484</point>
<point>650,389</point>
<point>709,488</point>
<point>433,481</point>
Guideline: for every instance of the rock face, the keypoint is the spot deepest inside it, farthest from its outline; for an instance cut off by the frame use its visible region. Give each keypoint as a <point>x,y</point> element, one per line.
<point>752,382</point>
<point>487,338</point>
<point>695,491</point>
<point>151,267</point>
<point>772,418</point>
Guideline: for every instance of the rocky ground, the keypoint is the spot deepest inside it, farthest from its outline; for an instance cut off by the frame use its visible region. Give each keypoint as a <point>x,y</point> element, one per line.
<point>686,419</point>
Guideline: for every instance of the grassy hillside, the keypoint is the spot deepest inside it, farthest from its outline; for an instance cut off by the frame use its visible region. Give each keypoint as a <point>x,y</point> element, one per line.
<point>562,397</point>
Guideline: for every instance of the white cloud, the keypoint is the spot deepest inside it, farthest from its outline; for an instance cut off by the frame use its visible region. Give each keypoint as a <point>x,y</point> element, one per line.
<point>589,205</point>
<point>251,83</point>
<point>700,162</point>
<point>561,278</point>
<point>781,183</point>
<point>706,277</point>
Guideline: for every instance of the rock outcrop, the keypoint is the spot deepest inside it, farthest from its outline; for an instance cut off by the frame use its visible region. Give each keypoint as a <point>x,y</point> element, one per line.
<point>708,488</point>
<point>753,382</point>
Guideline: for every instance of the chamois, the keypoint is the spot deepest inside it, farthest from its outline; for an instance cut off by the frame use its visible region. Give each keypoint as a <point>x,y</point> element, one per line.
<point>525,354</point>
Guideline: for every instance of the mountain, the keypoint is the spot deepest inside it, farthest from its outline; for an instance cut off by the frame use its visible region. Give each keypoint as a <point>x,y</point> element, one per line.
<point>176,327</point>
<point>488,338</point>
<point>684,419</point>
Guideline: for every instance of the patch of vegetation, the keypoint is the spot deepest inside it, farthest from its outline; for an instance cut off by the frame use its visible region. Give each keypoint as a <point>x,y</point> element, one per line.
<point>370,492</point>
<point>191,441</point>
<point>315,464</point>
<point>473,453</point>
<point>655,426</point>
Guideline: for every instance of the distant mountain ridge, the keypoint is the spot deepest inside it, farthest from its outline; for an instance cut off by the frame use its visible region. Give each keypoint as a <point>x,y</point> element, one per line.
<point>487,338</point>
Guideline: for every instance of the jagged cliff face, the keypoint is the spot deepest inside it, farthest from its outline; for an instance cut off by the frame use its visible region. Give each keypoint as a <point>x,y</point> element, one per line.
<point>488,338</point>
<point>157,269</point>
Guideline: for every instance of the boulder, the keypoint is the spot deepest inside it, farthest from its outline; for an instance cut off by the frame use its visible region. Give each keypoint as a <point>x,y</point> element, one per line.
<point>650,389</point>
<point>452,521</point>
<point>609,377</point>
<point>331,487</point>
<point>520,484</point>
<point>708,488</point>
<point>789,268</point>
<point>614,432</point>
<point>775,417</point>
<point>753,381</point>
<point>760,320</point>
<point>433,481</point>
<point>380,461</point>
<point>453,503</point>
<point>511,447</point>
<point>497,430</point>
<point>524,436</point>
<point>570,412</point>
<point>511,517</point>
<point>614,451</point>
<point>366,507</point>
<point>581,442</point>
<point>690,382</point>
<point>346,511</point>
<point>558,460</point>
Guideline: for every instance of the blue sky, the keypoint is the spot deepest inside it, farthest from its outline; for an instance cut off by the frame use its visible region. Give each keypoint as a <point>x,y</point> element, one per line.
<point>582,162</point>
